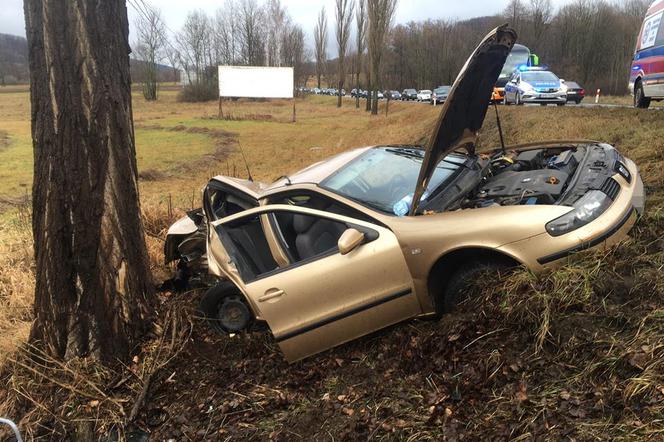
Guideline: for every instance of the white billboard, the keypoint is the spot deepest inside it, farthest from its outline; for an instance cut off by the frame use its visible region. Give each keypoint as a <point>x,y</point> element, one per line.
<point>255,82</point>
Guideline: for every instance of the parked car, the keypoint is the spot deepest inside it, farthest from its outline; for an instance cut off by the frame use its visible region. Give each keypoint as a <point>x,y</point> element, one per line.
<point>575,92</point>
<point>409,95</point>
<point>424,95</point>
<point>440,94</point>
<point>535,85</point>
<point>378,235</point>
<point>393,95</point>
<point>647,72</point>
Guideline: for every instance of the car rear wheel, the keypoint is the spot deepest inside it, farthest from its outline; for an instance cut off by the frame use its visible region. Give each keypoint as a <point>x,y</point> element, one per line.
<point>225,309</point>
<point>640,99</point>
<point>465,281</point>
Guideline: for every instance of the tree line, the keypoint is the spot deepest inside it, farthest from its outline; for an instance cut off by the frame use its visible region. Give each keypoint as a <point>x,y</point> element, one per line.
<point>588,41</point>
<point>240,32</point>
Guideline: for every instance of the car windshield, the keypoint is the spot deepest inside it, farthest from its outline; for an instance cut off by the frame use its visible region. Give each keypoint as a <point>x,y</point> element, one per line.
<point>442,90</point>
<point>383,176</point>
<point>517,57</point>
<point>529,77</point>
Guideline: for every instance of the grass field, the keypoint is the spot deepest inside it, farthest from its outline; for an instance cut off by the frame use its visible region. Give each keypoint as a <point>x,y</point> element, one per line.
<point>578,354</point>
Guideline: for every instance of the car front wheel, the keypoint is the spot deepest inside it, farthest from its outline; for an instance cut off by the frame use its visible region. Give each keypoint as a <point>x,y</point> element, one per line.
<point>465,282</point>
<point>225,309</point>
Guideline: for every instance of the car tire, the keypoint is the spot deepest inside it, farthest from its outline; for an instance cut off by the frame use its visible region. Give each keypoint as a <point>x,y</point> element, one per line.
<point>465,280</point>
<point>225,309</point>
<point>640,99</point>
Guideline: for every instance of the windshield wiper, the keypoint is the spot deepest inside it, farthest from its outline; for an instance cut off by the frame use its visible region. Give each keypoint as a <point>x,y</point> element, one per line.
<point>409,153</point>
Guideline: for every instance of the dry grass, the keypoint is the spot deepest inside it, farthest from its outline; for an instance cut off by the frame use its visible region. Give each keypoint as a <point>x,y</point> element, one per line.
<point>576,354</point>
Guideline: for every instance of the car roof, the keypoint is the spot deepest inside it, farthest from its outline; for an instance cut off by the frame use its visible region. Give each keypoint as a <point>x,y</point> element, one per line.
<point>317,172</point>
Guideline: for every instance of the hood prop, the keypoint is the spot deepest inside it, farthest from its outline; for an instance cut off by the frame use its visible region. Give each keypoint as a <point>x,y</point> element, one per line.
<point>500,128</point>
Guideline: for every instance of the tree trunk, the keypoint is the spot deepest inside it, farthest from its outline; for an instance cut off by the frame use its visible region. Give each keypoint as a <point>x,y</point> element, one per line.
<point>94,295</point>
<point>374,103</point>
<point>357,90</point>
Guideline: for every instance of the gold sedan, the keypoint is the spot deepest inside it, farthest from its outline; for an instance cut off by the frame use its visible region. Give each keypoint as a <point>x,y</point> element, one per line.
<point>382,234</point>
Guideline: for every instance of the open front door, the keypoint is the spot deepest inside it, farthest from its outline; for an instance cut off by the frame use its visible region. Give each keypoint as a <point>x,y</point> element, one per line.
<point>323,297</point>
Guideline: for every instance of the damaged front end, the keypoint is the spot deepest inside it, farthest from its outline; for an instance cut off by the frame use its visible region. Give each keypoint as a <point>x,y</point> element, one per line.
<point>186,244</point>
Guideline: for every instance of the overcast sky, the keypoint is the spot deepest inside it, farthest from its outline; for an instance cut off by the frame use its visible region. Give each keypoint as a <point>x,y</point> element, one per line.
<point>303,11</point>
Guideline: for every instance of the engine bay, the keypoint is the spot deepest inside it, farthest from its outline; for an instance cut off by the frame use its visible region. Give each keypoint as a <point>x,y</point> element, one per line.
<point>538,176</point>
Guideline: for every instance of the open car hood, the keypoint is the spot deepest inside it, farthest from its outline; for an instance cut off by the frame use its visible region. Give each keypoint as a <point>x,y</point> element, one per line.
<point>463,113</point>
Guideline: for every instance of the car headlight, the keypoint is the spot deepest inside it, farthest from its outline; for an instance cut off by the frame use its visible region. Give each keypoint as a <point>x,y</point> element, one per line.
<point>586,209</point>
<point>623,171</point>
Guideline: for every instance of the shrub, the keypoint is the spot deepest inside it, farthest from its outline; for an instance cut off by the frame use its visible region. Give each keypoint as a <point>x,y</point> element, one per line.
<point>197,92</point>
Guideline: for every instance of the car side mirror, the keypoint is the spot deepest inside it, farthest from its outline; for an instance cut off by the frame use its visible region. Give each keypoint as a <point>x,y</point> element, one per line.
<point>350,240</point>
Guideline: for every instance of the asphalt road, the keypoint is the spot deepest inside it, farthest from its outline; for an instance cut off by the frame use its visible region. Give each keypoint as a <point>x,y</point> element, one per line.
<point>586,103</point>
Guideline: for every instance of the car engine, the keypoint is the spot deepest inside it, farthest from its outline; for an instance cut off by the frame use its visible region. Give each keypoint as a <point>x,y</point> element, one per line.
<point>538,176</point>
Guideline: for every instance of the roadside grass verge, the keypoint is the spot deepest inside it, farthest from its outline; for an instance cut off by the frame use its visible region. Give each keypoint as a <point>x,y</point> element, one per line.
<point>575,354</point>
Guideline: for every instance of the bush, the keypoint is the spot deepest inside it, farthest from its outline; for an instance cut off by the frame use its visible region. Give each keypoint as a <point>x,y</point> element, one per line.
<point>197,92</point>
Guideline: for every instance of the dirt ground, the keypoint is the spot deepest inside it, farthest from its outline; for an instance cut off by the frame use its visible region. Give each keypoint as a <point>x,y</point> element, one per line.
<point>577,354</point>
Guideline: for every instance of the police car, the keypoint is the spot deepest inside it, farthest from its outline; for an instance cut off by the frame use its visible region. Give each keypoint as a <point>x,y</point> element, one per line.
<point>535,85</point>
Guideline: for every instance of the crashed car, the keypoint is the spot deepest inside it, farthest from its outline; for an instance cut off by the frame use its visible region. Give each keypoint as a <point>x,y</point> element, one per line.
<point>382,234</point>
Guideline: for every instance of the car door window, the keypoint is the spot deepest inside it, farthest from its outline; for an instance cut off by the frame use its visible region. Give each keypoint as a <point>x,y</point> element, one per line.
<point>303,237</point>
<point>223,202</point>
<point>307,236</point>
<point>248,248</point>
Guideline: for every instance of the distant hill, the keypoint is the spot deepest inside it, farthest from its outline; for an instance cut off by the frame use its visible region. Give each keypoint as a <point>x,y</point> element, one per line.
<point>14,63</point>
<point>13,59</point>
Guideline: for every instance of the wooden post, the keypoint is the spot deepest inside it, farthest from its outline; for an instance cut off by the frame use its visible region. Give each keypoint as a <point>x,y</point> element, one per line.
<point>293,109</point>
<point>221,110</point>
<point>387,105</point>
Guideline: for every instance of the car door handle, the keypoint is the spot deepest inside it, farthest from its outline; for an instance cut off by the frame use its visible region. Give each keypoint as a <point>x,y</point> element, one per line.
<point>271,294</point>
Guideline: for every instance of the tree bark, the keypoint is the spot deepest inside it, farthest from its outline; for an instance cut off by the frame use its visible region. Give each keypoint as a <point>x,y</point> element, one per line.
<point>94,295</point>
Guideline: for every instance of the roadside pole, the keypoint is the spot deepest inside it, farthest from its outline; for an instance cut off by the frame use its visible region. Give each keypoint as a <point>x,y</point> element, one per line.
<point>599,91</point>
<point>221,110</point>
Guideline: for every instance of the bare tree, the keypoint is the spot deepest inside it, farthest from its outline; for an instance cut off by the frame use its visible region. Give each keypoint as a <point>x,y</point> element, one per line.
<point>344,15</point>
<point>381,14</point>
<point>252,40</point>
<point>293,52</point>
<point>172,56</point>
<point>361,39</point>
<point>226,29</point>
<point>149,46</point>
<point>93,295</point>
<point>320,44</point>
<point>194,43</point>
<point>277,26</point>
